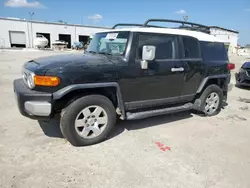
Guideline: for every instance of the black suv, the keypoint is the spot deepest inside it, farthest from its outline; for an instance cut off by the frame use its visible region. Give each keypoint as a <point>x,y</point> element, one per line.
<point>242,77</point>
<point>131,74</point>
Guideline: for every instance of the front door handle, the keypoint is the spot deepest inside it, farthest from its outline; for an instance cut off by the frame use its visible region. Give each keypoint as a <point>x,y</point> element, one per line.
<point>180,69</point>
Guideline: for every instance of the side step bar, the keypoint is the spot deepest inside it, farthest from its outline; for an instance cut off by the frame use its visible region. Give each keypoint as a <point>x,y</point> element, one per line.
<point>146,114</point>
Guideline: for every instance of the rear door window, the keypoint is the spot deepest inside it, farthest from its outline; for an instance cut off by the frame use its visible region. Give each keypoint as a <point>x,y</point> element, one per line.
<point>191,48</point>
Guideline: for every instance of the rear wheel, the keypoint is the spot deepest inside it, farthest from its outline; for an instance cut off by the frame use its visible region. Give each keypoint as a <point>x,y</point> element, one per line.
<point>88,120</point>
<point>211,100</point>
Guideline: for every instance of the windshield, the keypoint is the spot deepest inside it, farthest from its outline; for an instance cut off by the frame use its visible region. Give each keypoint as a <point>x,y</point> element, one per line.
<point>113,43</point>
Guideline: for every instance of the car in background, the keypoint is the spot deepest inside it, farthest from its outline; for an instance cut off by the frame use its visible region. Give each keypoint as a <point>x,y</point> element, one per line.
<point>77,45</point>
<point>243,75</point>
<point>59,44</point>
<point>40,41</point>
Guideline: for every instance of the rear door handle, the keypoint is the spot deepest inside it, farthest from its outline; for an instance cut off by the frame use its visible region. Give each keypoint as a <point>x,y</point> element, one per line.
<point>180,69</point>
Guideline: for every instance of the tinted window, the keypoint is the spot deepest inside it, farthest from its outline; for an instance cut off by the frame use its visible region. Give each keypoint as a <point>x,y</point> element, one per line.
<point>214,51</point>
<point>164,44</point>
<point>191,47</point>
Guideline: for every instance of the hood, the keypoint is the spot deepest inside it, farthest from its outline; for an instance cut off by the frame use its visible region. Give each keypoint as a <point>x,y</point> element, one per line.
<point>59,61</point>
<point>246,65</point>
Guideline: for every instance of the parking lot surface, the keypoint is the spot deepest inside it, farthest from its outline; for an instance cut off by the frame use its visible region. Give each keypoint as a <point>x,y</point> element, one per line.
<point>200,152</point>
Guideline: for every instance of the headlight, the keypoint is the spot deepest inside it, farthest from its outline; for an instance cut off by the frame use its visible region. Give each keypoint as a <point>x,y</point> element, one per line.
<point>28,78</point>
<point>32,80</point>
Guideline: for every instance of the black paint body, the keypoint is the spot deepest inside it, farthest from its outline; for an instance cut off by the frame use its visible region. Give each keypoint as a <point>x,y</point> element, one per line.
<point>153,87</point>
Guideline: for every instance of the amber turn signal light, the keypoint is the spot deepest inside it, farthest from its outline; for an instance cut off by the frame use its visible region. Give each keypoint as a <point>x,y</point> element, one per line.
<point>46,80</point>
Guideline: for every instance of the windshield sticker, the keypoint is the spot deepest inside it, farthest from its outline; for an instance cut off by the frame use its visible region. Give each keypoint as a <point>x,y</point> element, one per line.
<point>111,36</point>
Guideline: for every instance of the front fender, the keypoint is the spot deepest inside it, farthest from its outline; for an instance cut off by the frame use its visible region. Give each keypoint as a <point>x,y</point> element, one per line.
<point>64,91</point>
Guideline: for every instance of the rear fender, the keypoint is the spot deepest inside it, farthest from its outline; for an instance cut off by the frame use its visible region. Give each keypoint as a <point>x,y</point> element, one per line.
<point>204,82</point>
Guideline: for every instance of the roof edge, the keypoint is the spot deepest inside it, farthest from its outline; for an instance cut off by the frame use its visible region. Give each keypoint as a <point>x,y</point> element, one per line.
<point>217,27</point>
<point>54,23</point>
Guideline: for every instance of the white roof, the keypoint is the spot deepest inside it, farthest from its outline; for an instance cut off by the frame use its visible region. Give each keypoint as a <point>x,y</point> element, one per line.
<point>196,34</point>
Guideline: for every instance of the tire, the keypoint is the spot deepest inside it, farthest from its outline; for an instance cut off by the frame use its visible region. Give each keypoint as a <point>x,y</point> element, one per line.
<point>71,116</point>
<point>211,91</point>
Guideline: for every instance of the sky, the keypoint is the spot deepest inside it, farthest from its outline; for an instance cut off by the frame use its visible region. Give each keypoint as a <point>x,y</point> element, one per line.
<point>230,14</point>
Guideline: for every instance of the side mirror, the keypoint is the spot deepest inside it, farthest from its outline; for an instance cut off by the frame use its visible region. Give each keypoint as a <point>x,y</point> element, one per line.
<point>148,54</point>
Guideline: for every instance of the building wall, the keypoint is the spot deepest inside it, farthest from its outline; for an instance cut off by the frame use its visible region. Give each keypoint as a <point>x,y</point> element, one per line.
<point>54,29</point>
<point>228,37</point>
<point>244,52</point>
<point>7,26</point>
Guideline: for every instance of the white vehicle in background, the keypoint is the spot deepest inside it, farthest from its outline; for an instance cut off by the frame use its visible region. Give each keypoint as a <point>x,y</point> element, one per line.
<point>40,41</point>
<point>59,44</point>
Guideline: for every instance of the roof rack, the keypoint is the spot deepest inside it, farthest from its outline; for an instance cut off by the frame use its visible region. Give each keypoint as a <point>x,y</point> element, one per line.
<point>133,24</point>
<point>184,25</point>
<point>125,24</point>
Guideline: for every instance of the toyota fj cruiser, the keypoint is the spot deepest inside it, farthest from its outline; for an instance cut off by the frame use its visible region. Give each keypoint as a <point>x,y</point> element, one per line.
<point>130,73</point>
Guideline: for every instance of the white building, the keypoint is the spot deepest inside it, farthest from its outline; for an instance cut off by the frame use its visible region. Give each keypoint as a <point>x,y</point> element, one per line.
<point>21,33</point>
<point>244,52</point>
<point>230,37</point>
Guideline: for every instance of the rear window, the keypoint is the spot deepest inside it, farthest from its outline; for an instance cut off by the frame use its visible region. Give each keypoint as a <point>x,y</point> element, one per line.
<point>214,51</point>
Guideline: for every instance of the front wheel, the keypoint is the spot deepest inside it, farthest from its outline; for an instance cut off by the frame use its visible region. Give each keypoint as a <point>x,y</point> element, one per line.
<point>88,120</point>
<point>211,100</point>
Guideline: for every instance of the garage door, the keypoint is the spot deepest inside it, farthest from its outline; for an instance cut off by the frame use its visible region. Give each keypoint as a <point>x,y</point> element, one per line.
<point>17,37</point>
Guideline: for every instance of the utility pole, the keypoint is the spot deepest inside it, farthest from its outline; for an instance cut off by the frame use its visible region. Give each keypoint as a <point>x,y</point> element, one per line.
<point>28,32</point>
<point>185,18</point>
<point>31,15</point>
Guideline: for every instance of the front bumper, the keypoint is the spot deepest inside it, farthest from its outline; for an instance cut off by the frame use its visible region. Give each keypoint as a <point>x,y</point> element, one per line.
<point>242,78</point>
<point>33,104</point>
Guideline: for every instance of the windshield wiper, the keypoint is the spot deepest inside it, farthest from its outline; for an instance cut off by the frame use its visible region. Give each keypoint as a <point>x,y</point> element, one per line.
<point>105,53</point>
<point>108,55</point>
<point>92,52</point>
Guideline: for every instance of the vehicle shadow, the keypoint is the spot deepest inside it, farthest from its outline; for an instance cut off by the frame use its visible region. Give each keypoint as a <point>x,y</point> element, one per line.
<point>51,128</point>
<point>131,125</point>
